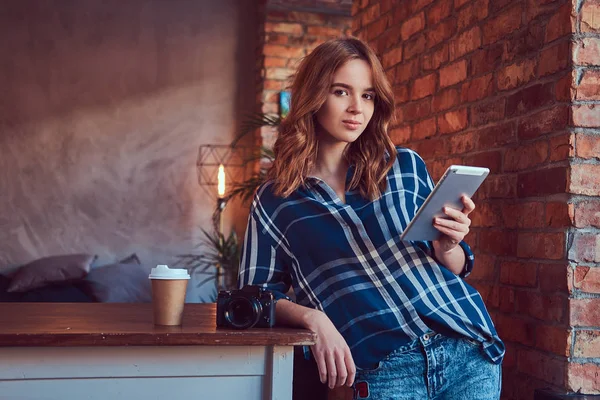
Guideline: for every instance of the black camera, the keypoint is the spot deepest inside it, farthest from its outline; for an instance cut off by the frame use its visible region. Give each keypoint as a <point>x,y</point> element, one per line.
<point>245,308</point>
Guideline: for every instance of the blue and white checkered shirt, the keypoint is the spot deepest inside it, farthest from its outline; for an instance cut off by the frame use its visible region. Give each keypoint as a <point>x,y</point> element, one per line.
<point>347,260</point>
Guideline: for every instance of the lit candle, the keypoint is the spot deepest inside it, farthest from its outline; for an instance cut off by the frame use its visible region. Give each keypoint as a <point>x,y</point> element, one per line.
<point>221,181</point>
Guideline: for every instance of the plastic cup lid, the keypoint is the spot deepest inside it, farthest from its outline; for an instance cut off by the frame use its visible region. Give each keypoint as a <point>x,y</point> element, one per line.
<point>164,272</point>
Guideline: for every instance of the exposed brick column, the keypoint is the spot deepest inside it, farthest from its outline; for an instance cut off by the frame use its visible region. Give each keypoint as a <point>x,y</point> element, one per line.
<point>291,30</point>
<point>583,372</point>
<point>513,86</point>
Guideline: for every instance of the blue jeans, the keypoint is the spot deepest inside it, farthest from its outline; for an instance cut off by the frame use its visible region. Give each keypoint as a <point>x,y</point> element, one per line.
<point>432,367</point>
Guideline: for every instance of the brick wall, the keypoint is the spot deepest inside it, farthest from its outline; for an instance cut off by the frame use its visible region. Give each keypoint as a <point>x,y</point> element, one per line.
<point>290,31</point>
<point>512,86</point>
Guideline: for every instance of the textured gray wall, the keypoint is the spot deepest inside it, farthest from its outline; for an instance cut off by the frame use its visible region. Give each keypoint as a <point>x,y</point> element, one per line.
<point>102,107</point>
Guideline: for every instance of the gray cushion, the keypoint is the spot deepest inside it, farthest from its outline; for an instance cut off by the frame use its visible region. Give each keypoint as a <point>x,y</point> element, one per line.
<point>51,270</point>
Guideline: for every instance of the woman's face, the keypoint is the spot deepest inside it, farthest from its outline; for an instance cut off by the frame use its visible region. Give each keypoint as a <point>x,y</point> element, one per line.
<point>349,105</point>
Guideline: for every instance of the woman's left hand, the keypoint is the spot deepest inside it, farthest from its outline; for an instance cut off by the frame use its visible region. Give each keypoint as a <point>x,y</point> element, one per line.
<point>456,228</point>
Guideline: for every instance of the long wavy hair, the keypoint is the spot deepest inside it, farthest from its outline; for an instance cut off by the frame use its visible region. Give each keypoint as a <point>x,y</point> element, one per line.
<point>372,154</point>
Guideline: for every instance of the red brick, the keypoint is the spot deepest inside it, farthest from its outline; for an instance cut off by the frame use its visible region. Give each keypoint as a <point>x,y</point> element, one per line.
<point>415,46</point>
<point>587,213</point>
<point>502,25</point>
<point>560,24</point>
<point>585,247</point>
<point>588,146</point>
<point>484,61</point>
<point>500,242</point>
<point>529,98</point>
<point>490,111</point>
<point>390,38</point>
<point>554,59</point>
<point>587,279</point>
<point>413,25</point>
<point>585,179</point>
<point>370,14</point>
<point>583,378</point>
<point>392,57</point>
<point>459,3</point>
<point>277,38</point>
<point>590,16</point>
<point>512,328</point>
<point>551,308</point>
<point>401,13</point>
<point>586,115</point>
<point>553,339</point>
<point>453,73</point>
<point>499,187</point>
<point>472,14</point>
<point>518,273</point>
<point>453,121</point>
<point>433,60</point>
<point>438,12</point>
<point>283,51</point>
<point>523,215</point>
<point>506,299</point>
<point>486,215</point>
<point>544,122</point>
<point>281,74</point>
<point>285,27</point>
<point>427,149</point>
<point>585,312</point>
<point>558,215</point>
<point>407,70</point>
<point>542,182</point>
<point>445,99</point>
<point>460,143</point>
<point>417,110</point>
<point>516,75</point>
<point>498,5</point>
<point>486,159</point>
<point>400,135</point>
<point>416,5</point>
<point>589,86</point>
<point>442,32</point>
<point>524,42</point>
<point>423,87</point>
<point>549,246</point>
<point>275,62</point>
<point>356,22</point>
<point>326,31</point>
<point>484,269</point>
<point>554,277</point>
<point>401,94</point>
<point>562,147</point>
<point>477,88</point>
<point>465,43</point>
<point>564,88</point>
<point>377,27</point>
<point>542,366</point>
<point>525,156</point>
<point>587,344</point>
<point>587,51</point>
<point>424,129</point>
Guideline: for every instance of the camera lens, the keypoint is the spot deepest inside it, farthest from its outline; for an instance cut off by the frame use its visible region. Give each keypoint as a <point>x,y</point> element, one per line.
<point>243,313</point>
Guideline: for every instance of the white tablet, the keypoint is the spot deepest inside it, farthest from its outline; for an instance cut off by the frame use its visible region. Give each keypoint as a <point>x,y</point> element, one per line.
<point>458,180</point>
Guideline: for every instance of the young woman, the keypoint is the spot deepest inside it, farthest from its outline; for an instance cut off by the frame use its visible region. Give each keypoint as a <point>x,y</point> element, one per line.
<point>393,319</point>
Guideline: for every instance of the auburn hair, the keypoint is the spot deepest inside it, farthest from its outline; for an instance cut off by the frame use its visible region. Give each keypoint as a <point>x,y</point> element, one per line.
<point>372,154</point>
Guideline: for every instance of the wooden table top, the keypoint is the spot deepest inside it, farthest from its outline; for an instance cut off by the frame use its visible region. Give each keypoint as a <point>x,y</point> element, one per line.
<point>128,324</point>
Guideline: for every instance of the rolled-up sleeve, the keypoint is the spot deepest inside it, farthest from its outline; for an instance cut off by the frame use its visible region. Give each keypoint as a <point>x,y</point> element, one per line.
<point>263,262</point>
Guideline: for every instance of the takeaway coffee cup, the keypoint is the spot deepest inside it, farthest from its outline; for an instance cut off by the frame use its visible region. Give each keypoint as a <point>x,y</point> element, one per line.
<point>168,294</point>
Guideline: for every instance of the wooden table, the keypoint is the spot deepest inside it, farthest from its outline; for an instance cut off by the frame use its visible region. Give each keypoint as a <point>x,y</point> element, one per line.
<point>96,351</point>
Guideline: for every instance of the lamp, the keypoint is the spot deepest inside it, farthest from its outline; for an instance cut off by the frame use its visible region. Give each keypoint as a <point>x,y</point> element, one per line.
<point>222,166</point>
